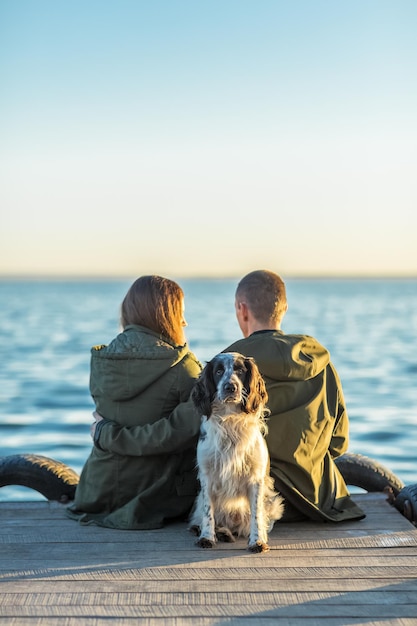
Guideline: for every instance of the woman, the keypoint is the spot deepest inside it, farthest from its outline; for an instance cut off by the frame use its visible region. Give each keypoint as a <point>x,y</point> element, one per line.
<point>140,377</point>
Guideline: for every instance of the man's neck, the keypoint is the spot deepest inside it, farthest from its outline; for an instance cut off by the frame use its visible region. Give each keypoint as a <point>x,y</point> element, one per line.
<point>254,326</point>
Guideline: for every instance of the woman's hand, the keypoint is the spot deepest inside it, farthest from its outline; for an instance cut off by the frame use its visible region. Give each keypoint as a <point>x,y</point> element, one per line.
<point>97,419</point>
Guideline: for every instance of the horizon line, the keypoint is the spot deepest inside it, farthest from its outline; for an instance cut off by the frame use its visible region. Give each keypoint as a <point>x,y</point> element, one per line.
<point>290,275</point>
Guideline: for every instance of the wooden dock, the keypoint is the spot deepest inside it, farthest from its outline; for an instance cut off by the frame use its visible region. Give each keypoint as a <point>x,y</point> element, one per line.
<point>54,572</point>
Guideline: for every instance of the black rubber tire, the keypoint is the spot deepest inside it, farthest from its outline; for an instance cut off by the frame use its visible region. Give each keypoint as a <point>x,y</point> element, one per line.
<point>53,479</point>
<point>406,502</point>
<point>361,471</point>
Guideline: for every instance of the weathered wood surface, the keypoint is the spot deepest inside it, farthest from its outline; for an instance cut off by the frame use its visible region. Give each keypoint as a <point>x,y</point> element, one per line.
<point>55,572</point>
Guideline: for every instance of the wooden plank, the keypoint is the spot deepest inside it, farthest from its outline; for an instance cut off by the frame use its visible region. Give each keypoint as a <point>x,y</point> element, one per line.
<point>301,610</point>
<point>182,540</point>
<point>173,585</point>
<point>260,620</point>
<point>187,599</point>
<point>234,577</point>
<point>111,554</point>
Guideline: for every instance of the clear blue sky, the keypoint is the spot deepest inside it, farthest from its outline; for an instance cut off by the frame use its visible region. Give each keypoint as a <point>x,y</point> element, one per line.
<point>208,138</point>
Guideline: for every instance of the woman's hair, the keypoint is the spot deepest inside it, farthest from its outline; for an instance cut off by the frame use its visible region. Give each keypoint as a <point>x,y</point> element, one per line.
<point>156,303</point>
<point>265,295</point>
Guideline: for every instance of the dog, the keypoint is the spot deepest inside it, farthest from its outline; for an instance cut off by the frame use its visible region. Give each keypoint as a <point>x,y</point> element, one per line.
<point>237,496</point>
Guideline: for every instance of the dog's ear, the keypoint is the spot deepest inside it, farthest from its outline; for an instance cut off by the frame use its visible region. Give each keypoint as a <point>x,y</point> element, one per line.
<point>255,386</point>
<point>203,391</point>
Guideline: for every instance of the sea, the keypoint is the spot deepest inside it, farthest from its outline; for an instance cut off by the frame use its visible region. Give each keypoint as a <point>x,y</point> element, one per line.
<point>47,328</point>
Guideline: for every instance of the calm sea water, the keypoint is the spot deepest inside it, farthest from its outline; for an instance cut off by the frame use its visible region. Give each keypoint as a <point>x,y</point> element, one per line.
<point>48,327</point>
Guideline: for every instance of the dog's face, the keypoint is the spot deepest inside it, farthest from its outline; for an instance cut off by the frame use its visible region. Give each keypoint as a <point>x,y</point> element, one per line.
<point>229,373</point>
<point>230,378</point>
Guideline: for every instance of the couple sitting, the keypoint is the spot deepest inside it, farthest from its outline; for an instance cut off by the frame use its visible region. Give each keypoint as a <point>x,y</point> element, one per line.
<point>141,470</point>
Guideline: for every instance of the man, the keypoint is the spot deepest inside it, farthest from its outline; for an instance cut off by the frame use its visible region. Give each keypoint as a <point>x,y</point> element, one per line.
<point>308,425</point>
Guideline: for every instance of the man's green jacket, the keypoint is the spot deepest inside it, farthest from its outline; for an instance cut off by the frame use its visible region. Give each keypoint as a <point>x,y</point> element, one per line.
<point>308,426</point>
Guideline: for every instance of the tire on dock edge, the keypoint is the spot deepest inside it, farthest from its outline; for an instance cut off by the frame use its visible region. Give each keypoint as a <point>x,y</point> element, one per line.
<point>361,471</point>
<point>53,479</point>
<point>406,502</point>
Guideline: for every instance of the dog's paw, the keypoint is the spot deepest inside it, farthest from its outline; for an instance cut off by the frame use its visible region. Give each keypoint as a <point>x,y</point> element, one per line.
<point>203,542</point>
<point>257,547</point>
<point>224,534</point>
<point>195,530</point>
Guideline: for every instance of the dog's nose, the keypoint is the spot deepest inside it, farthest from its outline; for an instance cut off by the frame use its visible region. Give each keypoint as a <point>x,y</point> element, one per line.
<point>230,387</point>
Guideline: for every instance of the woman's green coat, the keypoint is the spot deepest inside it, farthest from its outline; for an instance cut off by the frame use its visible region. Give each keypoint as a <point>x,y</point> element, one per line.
<point>138,379</point>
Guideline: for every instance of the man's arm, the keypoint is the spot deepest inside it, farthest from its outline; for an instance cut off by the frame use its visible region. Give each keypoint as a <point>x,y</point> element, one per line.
<point>340,438</point>
<point>168,435</point>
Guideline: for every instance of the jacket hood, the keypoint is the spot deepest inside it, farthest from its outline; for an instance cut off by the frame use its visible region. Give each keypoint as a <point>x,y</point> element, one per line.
<point>132,362</point>
<point>285,357</point>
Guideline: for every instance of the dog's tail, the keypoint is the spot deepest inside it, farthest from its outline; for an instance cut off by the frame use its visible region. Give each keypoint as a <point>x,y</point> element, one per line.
<point>274,503</point>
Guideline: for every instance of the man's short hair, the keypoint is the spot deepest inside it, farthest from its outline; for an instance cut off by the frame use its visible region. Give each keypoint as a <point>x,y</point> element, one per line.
<point>264,293</point>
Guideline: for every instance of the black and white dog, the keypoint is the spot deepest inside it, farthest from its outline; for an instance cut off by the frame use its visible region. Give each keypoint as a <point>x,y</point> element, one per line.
<point>237,497</point>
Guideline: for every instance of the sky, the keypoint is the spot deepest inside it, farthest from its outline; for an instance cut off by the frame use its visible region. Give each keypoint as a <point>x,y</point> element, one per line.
<point>208,138</point>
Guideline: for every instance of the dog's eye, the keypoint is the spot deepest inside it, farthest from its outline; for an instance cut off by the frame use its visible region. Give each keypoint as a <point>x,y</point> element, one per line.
<point>219,371</point>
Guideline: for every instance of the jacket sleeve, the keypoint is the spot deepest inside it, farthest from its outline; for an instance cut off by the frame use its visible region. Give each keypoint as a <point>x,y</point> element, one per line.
<point>167,435</point>
<point>340,438</point>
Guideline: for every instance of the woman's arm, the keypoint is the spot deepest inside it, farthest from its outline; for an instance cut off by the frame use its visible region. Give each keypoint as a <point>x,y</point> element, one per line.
<point>168,435</point>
